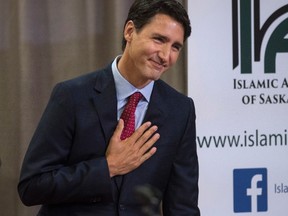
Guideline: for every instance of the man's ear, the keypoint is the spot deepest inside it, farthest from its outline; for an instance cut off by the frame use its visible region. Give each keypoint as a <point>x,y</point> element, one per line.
<point>129,30</point>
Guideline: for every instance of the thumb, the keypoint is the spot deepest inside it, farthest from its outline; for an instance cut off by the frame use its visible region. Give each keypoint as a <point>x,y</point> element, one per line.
<point>119,128</point>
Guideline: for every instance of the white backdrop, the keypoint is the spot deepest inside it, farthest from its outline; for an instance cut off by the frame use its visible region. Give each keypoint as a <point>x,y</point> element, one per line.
<point>241,105</point>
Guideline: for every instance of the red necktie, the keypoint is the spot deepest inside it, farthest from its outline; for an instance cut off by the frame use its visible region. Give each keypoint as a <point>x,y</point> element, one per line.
<point>128,115</point>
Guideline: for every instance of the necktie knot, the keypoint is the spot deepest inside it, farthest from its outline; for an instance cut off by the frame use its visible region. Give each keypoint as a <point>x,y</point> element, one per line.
<point>128,115</point>
<point>135,98</point>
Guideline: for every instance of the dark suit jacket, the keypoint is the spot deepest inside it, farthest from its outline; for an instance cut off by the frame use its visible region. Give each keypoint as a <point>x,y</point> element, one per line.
<point>65,168</point>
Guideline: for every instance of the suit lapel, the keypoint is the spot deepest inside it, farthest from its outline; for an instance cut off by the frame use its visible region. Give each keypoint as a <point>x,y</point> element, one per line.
<point>156,109</point>
<point>105,102</point>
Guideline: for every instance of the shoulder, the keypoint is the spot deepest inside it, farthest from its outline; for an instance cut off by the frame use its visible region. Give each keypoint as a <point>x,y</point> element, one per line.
<point>83,86</point>
<point>89,80</point>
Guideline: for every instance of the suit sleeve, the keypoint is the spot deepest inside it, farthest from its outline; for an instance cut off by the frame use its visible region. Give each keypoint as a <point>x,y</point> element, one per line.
<point>46,177</point>
<point>181,196</point>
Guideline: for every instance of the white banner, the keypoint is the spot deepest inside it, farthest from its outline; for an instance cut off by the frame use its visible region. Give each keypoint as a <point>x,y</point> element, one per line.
<point>238,78</point>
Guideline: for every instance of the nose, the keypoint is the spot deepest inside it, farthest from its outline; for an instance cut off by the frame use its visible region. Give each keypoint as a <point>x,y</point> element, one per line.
<point>164,54</point>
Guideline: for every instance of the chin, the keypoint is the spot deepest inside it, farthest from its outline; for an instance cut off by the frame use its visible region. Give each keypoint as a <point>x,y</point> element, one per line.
<point>155,74</point>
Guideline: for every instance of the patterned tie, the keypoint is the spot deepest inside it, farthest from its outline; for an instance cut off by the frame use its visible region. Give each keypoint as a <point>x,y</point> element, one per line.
<point>128,115</point>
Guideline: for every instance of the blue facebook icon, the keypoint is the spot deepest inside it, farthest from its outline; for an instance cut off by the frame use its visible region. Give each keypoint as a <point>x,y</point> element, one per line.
<point>250,190</point>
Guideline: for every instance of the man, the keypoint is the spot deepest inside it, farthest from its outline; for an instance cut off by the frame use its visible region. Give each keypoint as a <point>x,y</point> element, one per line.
<point>82,161</point>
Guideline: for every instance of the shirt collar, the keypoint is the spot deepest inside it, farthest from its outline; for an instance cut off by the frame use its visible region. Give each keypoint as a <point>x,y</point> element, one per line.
<point>124,89</point>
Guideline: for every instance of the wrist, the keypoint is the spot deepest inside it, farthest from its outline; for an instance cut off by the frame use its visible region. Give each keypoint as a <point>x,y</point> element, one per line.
<point>111,167</point>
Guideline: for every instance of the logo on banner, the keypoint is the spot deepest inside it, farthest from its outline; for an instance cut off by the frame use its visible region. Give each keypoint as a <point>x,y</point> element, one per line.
<point>250,190</point>
<point>246,25</point>
<point>248,44</point>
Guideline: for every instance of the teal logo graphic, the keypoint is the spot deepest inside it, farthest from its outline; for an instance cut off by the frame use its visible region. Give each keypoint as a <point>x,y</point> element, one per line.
<point>250,190</point>
<point>246,24</point>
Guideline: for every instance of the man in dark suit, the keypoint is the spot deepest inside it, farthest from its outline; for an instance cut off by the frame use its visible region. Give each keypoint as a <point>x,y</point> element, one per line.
<point>79,164</point>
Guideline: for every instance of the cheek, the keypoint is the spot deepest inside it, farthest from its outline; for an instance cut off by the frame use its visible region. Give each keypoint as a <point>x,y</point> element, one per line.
<point>141,50</point>
<point>148,49</point>
<point>174,58</point>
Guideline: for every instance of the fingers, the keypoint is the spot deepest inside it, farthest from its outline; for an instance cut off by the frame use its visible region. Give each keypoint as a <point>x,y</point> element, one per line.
<point>147,134</point>
<point>141,135</point>
<point>148,154</point>
<point>146,140</point>
<point>146,144</point>
<point>139,132</point>
<point>123,156</point>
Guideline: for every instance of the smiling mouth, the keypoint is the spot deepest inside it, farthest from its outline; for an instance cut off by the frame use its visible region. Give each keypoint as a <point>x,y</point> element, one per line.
<point>158,65</point>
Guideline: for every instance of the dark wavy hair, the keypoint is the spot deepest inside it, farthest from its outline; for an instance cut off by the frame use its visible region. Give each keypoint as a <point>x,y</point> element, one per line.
<point>142,11</point>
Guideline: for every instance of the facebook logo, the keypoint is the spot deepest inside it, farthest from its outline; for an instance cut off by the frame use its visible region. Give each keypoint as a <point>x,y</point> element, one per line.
<point>250,190</point>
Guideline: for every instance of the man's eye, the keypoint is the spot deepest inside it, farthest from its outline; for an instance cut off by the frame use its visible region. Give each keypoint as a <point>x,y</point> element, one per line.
<point>177,48</point>
<point>157,39</point>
